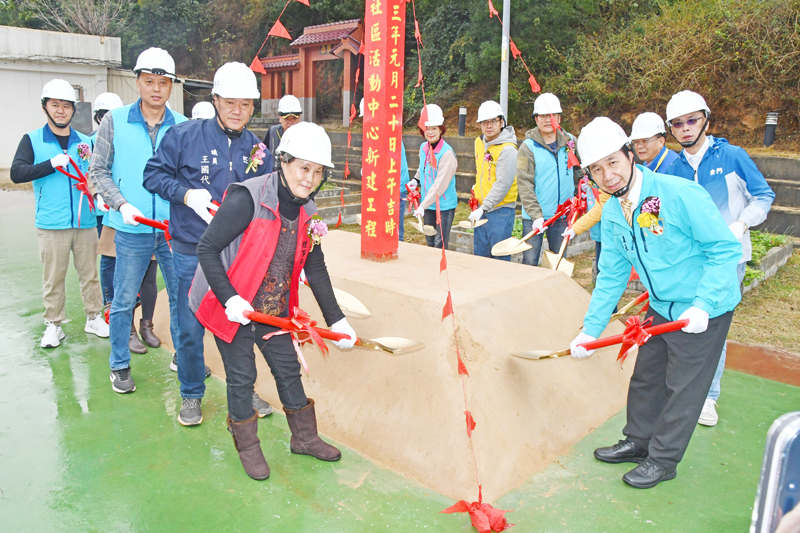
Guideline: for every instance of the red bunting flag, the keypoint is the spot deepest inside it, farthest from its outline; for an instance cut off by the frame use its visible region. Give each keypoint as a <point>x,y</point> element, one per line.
<point>349,137</point>
<point>492,10</point>
<point>361,49</point>
<point>279,30</point>
<point>534,86</point>
<point>514,50</point>
<point>572,160</point>
<point>448,307</point>
<point>423,118</point>
<point>304,2</point>
<point>256,66</point>
<point>462,368</point>
<point>417,34</point>
<point>339,222</point>
<point>419,76</point>
<point>484,517</point>
<point>555,125</point>
<point>443,262</point>
<point>470,423</point>
<point>346,169</point>
<point>353,114</point>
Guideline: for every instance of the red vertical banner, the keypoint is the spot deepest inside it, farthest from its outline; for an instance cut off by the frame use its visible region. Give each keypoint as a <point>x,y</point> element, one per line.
<point>384,40</point>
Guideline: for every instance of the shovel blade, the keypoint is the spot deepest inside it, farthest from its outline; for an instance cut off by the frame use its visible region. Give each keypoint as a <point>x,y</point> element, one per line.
<point>506,247</point>
<point>429,231</point>
<point>550,260</point>
<point>417,227</point>
<point>350,305</point>
<point>467,224</point>
<point>540,354</point>
<point>523,247</point>
<point>393,345</point>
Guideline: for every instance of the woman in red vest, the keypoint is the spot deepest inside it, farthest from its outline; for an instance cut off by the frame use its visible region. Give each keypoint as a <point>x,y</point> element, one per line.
<point>250,258</point>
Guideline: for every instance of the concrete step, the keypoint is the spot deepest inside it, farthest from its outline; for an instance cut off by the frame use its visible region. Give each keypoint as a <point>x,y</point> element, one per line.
<point>330,214</point>
<point>782,220</point>
<point>787,192</point>
<point>325,201</point>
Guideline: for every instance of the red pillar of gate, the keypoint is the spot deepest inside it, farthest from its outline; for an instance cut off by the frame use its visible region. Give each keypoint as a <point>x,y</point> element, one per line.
<point>384,38</point>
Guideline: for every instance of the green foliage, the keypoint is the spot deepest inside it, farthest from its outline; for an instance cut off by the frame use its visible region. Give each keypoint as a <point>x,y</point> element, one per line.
<point>751,274</point>
<point>12,14</point>
<point>762,243</point>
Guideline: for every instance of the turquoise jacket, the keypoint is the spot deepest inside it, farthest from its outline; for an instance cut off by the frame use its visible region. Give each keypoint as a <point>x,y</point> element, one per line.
<point>692,263</point>
<point>449,199</point>
<point>554,182</point>
<point>132,149</point>
<point>58,204</point>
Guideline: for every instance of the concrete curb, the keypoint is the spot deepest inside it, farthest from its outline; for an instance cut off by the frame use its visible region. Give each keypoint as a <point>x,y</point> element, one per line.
<point>776,257</point>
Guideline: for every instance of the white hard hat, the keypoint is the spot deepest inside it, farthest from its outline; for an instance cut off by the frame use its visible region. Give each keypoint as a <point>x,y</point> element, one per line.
<point>361,108</point>
<point>546,104</point>
<point>435,115</point>
<point>59,90</point>
<point>106,102</point>
<point>685,102</point>
<point>203,110</point>
<point>647,125</point>
<point>235,80</point>
<point>156,61</point>
<point>489,110</point>
<point>600,138</point>
<point>306,140</point>
<point>289,104</point>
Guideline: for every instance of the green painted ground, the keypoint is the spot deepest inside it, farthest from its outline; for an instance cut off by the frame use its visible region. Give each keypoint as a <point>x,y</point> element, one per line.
<point>74,456</point>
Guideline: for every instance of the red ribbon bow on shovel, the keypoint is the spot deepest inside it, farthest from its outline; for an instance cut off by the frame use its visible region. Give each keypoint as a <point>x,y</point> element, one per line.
<point>413,198</point>
<point>634,336</point>
<point>300,326</point>
<point>82,185</point>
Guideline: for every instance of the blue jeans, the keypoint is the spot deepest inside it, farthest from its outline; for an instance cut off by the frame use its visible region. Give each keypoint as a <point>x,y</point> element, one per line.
<point>499,228</point>
<point>447,222</point>
<point>553,231</point>
<point>133,257</point>
<point>107,266</point>
<point>713,392</point>
<point>191,365</point>
<point>401,225</point>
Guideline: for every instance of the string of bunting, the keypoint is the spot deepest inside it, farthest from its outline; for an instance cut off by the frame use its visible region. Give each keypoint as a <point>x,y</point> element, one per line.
<point>483,516</point>
<point>353,114</point>
<point>514,50</point>
<point>277,30</point>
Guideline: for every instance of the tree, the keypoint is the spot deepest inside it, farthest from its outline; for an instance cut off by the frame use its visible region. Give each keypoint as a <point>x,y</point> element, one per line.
<point>92,17</point>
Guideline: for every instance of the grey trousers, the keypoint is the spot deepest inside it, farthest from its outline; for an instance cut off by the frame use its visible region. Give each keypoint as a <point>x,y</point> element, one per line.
<point>669,386</point>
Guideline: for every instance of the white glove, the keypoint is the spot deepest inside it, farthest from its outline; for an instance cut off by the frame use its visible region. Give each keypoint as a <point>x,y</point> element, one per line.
<point>569,232</point>
<point>128,212</point>
<point>343,327</point>
<point>199,200</point>
<point>235,308</point>
<point>419,212</point>
<point>412,185</point>
<point>539,224</point>
<point>738,228</point>
<point>476,215</point>
<point>61,160</point>
<point>579,352</point>
<point>698,320</point>
<point>99,203</point>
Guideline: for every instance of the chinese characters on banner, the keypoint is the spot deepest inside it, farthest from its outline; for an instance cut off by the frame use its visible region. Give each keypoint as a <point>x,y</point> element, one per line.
<point>384,38</point>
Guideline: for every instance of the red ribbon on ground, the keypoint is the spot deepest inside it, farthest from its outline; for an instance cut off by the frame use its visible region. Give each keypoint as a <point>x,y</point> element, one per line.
<point>633,336</point>
<point>485,518</point>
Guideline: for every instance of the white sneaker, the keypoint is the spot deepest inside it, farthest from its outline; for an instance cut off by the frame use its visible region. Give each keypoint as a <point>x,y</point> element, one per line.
<point>97,326</point>
<point>708,417</point>
<point>52,335</point>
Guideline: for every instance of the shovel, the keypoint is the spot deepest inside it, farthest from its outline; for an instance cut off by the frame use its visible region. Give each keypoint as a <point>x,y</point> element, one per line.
<point>557,262</point>
<point>602,343</point>
<point>513,246</point>
<point>429,231</point>
<point>630,305</point>
<point>349,304</point>
<point>390,345</point>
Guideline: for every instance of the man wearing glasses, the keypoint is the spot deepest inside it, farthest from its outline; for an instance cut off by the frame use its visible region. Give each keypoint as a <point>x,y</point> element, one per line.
<point>737,187</point>
<point>649,138</point>
<point>289,111</point>
<point>496,179</point>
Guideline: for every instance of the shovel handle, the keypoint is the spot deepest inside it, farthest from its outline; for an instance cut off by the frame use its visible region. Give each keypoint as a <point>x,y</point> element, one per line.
<point>660,329</point>
<point>633,303</point>
<point>285,323</point>
<point>559,214</point>
<point>150,222</point>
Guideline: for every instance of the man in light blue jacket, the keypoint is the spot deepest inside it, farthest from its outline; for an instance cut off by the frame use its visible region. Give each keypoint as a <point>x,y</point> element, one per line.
<point>670,230</point>
<point>737,187</point>
<point>127,138</point>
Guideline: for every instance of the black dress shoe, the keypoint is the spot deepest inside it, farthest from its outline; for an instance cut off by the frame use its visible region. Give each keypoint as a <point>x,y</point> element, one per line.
<point>647,475</point>
<point>624,451</point>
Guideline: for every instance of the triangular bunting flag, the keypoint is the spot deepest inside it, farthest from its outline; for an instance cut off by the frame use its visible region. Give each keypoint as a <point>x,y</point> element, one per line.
<point>346,168</point>
<point>443,262</point>
<point>279,30</point>
<point>349,137</point>
<point>353,114</point>
<point>553,123</point>
<point>470,423</point>
<point>361,50</point>
<point>304,2</point>
<point>256,66</point>
<point>448,307</point>
<point>534,86</point>
<point>514,50</point>
<point>423,118</point>
<point>417,34</point>
<point>492,10</point>
<point>462,368</point>
<point>572,161</point>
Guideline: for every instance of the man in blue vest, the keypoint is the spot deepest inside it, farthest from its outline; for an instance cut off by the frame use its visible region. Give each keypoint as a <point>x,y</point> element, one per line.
<point>737,187</point>
<point>544,178</point>
<point>194,165</point>
<point>127,138</point>
<point>64,221</point>
<point>671,231</point>
<point>649,138</point>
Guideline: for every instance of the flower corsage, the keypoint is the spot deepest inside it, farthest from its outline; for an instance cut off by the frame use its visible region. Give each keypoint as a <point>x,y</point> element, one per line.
<point>317,229</point>
<point>256,157</point>
<point>84,152</point>
<point>649,215</point>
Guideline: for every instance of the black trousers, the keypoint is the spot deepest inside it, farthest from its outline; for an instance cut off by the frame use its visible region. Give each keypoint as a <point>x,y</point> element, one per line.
<point>669,385</point>
<point>240,368</point>
<point>429,219</point>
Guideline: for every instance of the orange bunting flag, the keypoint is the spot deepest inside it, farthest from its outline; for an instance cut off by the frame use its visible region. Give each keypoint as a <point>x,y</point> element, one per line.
<point>339,222</point>
<point>462,368</point>
<point>304,2</point>
<point>492,10</point>
<point>423,118</point>
<point>353,114</point>
<point>534,86</point>
<point>349,137</point>
<point>448,307</point>
<point>417,34</point>
<point>419,76</point>
<point>361,50</point>
<point>443,263</point>
<point>555,125</point>
<point>279,30</point>
<point>484,517</point>
<point>256,66</point>
<point>572,160</point>
<point>470,423</point>
<point>346,168</point>
<point>514,50</point>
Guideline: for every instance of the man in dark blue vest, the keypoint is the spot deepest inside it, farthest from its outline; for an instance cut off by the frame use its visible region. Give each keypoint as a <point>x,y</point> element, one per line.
<point>64,221</point>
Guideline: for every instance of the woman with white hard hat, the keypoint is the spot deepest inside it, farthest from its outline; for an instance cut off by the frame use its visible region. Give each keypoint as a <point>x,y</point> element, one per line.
<point>671,231</point>
<point>495,183</point>
<point>436,179</point>
<point>649,137</point>
<point>203,111</point>
<point>251,255</point>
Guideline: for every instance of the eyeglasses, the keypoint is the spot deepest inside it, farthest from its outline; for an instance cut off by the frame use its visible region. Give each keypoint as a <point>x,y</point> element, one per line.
<point>689,121</point>
<point>644,142</point>
<point>290,116</point>
<point>493,122</point>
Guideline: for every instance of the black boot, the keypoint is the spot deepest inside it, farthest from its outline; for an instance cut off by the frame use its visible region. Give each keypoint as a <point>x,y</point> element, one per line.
<point>305,439</point>
<point>146,331</point>
<point>134,343</point>
<point>245,438</point>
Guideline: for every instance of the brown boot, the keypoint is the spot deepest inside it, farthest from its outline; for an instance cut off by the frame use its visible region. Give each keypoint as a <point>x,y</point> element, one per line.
<point>305,439</point>
<point>146,331</point>
<point>134,344</point>
<point>245,438</point>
